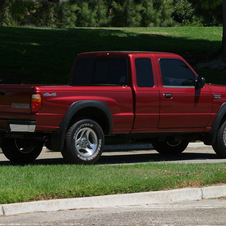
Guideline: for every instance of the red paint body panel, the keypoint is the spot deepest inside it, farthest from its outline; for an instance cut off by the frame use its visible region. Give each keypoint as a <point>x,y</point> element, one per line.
<point>186,108</point>
<point>134,109</point>
<point>119,100</point>
<point>16,99</point>
<point>147,104</point>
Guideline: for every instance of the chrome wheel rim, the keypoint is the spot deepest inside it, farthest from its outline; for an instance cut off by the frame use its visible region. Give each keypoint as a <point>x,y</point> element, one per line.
<point>86,142</point>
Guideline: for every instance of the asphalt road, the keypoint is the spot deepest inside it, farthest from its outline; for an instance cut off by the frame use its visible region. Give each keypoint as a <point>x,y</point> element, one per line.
<point>131,154</point>
<point>203,212</point>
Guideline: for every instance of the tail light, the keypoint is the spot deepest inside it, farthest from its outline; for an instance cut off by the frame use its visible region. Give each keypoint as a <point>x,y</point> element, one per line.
<point>36,102</point>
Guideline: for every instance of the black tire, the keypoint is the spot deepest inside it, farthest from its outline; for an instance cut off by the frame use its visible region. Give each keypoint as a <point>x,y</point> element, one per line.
<point>171,147</point>
<point>84,142</point>
<point>21,151</point>
<point>220,143</point>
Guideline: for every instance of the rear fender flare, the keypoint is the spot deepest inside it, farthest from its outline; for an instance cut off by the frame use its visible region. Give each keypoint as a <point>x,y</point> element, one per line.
<point>58,138</point>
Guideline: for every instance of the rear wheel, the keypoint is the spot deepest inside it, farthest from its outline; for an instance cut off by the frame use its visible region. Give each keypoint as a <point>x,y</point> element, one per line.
<point>220,143</point>
<point>21,151</point>
<point>173,146</point>
<point>84,142</point>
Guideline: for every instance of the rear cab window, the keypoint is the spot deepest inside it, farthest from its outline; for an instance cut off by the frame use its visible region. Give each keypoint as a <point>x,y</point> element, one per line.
<point>92,71</point>
<point>144,72</point>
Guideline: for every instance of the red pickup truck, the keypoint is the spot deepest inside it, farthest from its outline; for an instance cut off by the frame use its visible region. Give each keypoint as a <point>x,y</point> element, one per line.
<point>156,96</point>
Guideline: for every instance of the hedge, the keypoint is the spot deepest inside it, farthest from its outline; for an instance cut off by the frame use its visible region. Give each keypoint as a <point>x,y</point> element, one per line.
<point>19,13</point>
<point>96,13</point>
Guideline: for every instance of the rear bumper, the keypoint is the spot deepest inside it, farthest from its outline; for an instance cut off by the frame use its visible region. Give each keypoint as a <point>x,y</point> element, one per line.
<point>22,126</point>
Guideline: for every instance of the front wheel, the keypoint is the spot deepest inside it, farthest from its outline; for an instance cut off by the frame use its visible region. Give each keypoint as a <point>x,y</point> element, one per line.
<point>21,151</point>
<point>220,143</point>
<point>173,146</point>
<point>84,142</point>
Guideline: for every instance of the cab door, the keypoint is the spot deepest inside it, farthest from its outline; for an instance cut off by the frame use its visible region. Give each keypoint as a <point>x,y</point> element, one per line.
<point>182,105</point>
<point>146,94</point>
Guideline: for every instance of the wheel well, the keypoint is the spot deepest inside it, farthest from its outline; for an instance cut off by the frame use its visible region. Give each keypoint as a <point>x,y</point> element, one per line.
<point>210,137</point>
<point>223,120</point>
<point>95,114</point>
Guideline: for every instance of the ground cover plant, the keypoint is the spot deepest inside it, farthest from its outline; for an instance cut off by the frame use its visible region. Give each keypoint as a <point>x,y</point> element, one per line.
<point>37,182</point>
<point>45,55</point>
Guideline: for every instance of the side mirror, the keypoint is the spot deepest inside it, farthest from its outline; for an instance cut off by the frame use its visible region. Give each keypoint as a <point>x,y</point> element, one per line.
<point>200,82</point>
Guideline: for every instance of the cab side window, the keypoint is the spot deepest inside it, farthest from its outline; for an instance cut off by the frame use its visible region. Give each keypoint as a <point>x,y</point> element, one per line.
<point>144,72</point>
<point>175,73</point>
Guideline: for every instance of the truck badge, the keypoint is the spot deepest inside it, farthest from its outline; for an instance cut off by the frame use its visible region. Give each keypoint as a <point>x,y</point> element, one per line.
<point>49,95</point>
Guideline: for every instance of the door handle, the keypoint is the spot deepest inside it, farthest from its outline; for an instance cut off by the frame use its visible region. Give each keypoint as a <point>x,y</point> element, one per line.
<point>168,95</point>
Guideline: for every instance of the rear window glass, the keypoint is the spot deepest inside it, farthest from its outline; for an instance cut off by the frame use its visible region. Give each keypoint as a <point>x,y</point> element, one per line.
<point>100,71</point>
<point>144,72</point>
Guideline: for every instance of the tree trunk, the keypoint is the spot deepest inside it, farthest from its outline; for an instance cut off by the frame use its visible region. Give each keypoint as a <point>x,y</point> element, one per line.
<point>224,28</point>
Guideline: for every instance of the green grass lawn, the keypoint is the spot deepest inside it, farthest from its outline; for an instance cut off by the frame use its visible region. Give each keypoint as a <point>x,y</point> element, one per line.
<point>41,55</point>
<point>37,182</point>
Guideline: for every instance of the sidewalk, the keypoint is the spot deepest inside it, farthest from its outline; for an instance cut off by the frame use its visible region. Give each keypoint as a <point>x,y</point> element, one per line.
<point>143,198</point>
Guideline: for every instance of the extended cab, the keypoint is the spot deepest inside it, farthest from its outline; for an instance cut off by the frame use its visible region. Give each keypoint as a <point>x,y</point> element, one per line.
<point>157,96</point>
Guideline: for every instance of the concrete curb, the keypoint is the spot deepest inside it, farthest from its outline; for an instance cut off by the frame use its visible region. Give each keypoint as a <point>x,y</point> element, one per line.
<point>144,198</point>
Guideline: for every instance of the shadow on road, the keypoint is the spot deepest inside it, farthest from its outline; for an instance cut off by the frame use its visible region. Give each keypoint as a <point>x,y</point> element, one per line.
<point>133,158</point>
<point>154,157</point>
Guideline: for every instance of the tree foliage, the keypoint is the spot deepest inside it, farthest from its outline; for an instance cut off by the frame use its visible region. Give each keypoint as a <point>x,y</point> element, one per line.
<point>20,12</point>
<point>209,12</point>
<point>118,13</point>
<point>87,13</point>
<point>210,4</point>
<point>183,11</point>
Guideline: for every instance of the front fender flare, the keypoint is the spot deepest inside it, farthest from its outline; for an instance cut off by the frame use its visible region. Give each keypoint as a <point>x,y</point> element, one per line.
<point>211,138</point>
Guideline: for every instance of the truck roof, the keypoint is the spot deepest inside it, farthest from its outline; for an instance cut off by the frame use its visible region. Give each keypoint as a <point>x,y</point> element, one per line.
<point>125,53</point>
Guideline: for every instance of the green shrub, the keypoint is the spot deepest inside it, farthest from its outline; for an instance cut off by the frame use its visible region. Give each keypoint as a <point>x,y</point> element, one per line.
<point>183,11</point>
<point>67,16</point>
<point>25,12</point>
<point>91,13</point>
<point>164,12</point>
<point>86,13</point>
<point>102,13</point>
<point>5,13</point>
<point>126,14</point>
<point>153,13</point>
<point>51,15</point>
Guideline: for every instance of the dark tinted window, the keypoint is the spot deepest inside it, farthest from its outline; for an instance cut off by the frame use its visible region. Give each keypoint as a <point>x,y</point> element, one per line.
<point>100,71</point>
<point>176,73</point>
<point>83,71</point>
<point>144,72</point>
<point>118,71</point>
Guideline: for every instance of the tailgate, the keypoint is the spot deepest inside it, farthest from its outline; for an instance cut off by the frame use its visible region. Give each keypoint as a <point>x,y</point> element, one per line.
<point>15,99</point>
